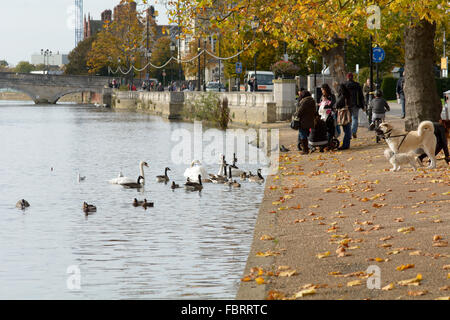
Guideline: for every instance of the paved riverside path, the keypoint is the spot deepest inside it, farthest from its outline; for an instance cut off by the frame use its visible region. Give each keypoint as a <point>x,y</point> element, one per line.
<point>327,217</point>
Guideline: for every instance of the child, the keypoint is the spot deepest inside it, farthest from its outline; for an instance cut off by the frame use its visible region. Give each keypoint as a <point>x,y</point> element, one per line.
<point>379,106</point>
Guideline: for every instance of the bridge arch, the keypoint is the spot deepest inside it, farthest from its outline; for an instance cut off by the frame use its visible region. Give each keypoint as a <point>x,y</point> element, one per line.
<point>19,89</point>
<point>63,93</point>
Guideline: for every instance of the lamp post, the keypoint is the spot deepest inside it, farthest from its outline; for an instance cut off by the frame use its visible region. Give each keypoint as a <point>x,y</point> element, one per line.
<point>199,67</point>
<point>118,64</point>
<point>172,49</point>
<point>255,25</point>
<point>47,54</point>
<point>164,77</point>
<point>204,64</point>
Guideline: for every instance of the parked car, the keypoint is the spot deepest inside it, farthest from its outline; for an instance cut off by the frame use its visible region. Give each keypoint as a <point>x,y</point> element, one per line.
<point>215,86</point>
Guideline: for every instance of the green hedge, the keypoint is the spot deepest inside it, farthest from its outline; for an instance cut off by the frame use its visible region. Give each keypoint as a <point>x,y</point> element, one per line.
<point>443,85</point>
<point>389,84</point>
<point>388,87</point>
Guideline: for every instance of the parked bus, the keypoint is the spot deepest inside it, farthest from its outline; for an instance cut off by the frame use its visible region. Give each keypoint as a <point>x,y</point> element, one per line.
<point>263,79</point>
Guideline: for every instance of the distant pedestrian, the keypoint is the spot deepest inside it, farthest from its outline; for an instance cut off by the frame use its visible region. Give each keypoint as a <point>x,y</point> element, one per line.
<point>344,100</point>
<point>251,84</point>
<point>367,97</point>
<point>379,107</point>
<point>401,93</point>
<point>327,102</point>
<point>356,101</point>
<point>306,111</point>
<point>160,87</point>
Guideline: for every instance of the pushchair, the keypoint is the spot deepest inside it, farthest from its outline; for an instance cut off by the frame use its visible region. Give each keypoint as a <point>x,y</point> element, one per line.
<point>323,135</point>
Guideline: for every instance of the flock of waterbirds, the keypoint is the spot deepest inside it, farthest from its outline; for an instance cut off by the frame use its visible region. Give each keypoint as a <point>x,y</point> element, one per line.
<point>195,175</point>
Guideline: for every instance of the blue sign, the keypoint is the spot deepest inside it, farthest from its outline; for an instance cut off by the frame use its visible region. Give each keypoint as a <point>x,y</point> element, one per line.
<point>378,54</point>
<point>238,67</point>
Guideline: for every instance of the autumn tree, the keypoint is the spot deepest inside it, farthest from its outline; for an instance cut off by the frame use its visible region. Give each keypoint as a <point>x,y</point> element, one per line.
<point>418,20</point>
<point>328,25</point>
<point>160,55</point>
<point>195,47</point>
<point>78,58</point>
<point>121,42</point>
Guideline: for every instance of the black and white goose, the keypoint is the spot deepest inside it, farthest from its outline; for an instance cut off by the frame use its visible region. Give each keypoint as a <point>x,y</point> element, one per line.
<point>257,178</point>
<point>194,186</point>
<point>163,178</point>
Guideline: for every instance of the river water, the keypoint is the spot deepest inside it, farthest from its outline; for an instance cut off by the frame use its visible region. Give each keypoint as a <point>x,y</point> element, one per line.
<point>189,246</point>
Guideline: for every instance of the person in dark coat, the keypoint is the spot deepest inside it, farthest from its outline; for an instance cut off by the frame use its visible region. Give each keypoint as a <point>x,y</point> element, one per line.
<point>306,111</point>
<point>357,101</point>
<point>344,99</point>
<point>379,106</point>
<point>401,93</point>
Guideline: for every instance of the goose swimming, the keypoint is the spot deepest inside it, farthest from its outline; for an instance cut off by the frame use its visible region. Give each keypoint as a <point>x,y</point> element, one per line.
<point>257,178</point>
<point>134,185</point>
<point>163,178</point>
<point>194,186</point>
<point>22,204</point>
<point>87,208</point>
<point>195,170</point>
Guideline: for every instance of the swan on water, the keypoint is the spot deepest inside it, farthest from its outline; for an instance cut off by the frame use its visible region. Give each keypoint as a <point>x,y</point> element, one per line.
<point>195,170</point>
<point>125,180</point>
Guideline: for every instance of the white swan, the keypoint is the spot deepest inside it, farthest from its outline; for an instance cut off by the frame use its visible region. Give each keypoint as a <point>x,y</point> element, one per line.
<point>125,180</point>
<point>195,170</point>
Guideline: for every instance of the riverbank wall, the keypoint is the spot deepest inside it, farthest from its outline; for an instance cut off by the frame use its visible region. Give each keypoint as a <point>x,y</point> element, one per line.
<point>246,108</point>
<point>79,97</point>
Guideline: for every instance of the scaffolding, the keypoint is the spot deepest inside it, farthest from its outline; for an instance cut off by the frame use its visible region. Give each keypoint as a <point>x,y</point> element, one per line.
<point>79,27</point>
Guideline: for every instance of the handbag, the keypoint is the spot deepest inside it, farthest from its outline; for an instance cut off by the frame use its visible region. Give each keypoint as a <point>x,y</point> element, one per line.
<point>295,123</point>
<point>344,116</point>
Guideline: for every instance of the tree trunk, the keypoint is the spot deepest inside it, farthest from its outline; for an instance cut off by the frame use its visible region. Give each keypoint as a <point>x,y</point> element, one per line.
<point>422,100</point>
<point>334,59</point>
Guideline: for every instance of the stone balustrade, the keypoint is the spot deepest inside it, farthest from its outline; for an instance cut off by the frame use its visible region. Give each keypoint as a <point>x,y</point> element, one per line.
<point>249,108</point>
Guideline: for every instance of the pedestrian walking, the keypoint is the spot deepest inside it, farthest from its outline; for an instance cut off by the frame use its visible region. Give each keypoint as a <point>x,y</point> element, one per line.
<point>367,97</point>
<point>356,101</point>
<point>401,93</point>
<point>306,111</point>
<point>343,101</point>
<point>327,102</point>
<point>379,107</point>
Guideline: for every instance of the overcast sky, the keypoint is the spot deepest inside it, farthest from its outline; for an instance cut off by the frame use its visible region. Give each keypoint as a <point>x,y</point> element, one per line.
<point>27,26</point>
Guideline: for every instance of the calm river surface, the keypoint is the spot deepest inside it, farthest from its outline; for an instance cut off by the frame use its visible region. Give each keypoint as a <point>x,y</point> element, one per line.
<point>189,246</point>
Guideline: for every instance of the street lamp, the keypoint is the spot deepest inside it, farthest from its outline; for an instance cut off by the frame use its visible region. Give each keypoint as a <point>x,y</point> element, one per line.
<point>315,79</point>
<point>255,25</point>
<point>172,49</point>
<point>47,54</point>
<point>199,67</point>
<point>204,64</point>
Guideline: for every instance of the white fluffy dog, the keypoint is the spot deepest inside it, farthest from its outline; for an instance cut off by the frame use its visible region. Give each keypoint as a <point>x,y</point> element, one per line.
<point>402,142</point>
<point>400,159</point>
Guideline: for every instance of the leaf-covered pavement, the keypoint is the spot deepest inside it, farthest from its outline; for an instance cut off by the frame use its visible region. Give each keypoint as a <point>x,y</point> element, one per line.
<point>327,217</point>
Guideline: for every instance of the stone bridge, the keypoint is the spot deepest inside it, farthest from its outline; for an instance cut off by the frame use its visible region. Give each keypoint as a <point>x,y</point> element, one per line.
<point>48,89</point>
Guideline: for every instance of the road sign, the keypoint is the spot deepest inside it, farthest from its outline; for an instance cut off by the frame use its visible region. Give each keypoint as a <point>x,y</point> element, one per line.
<point>378,54</point>
<point>444,63</point>
<point>238,68</point>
